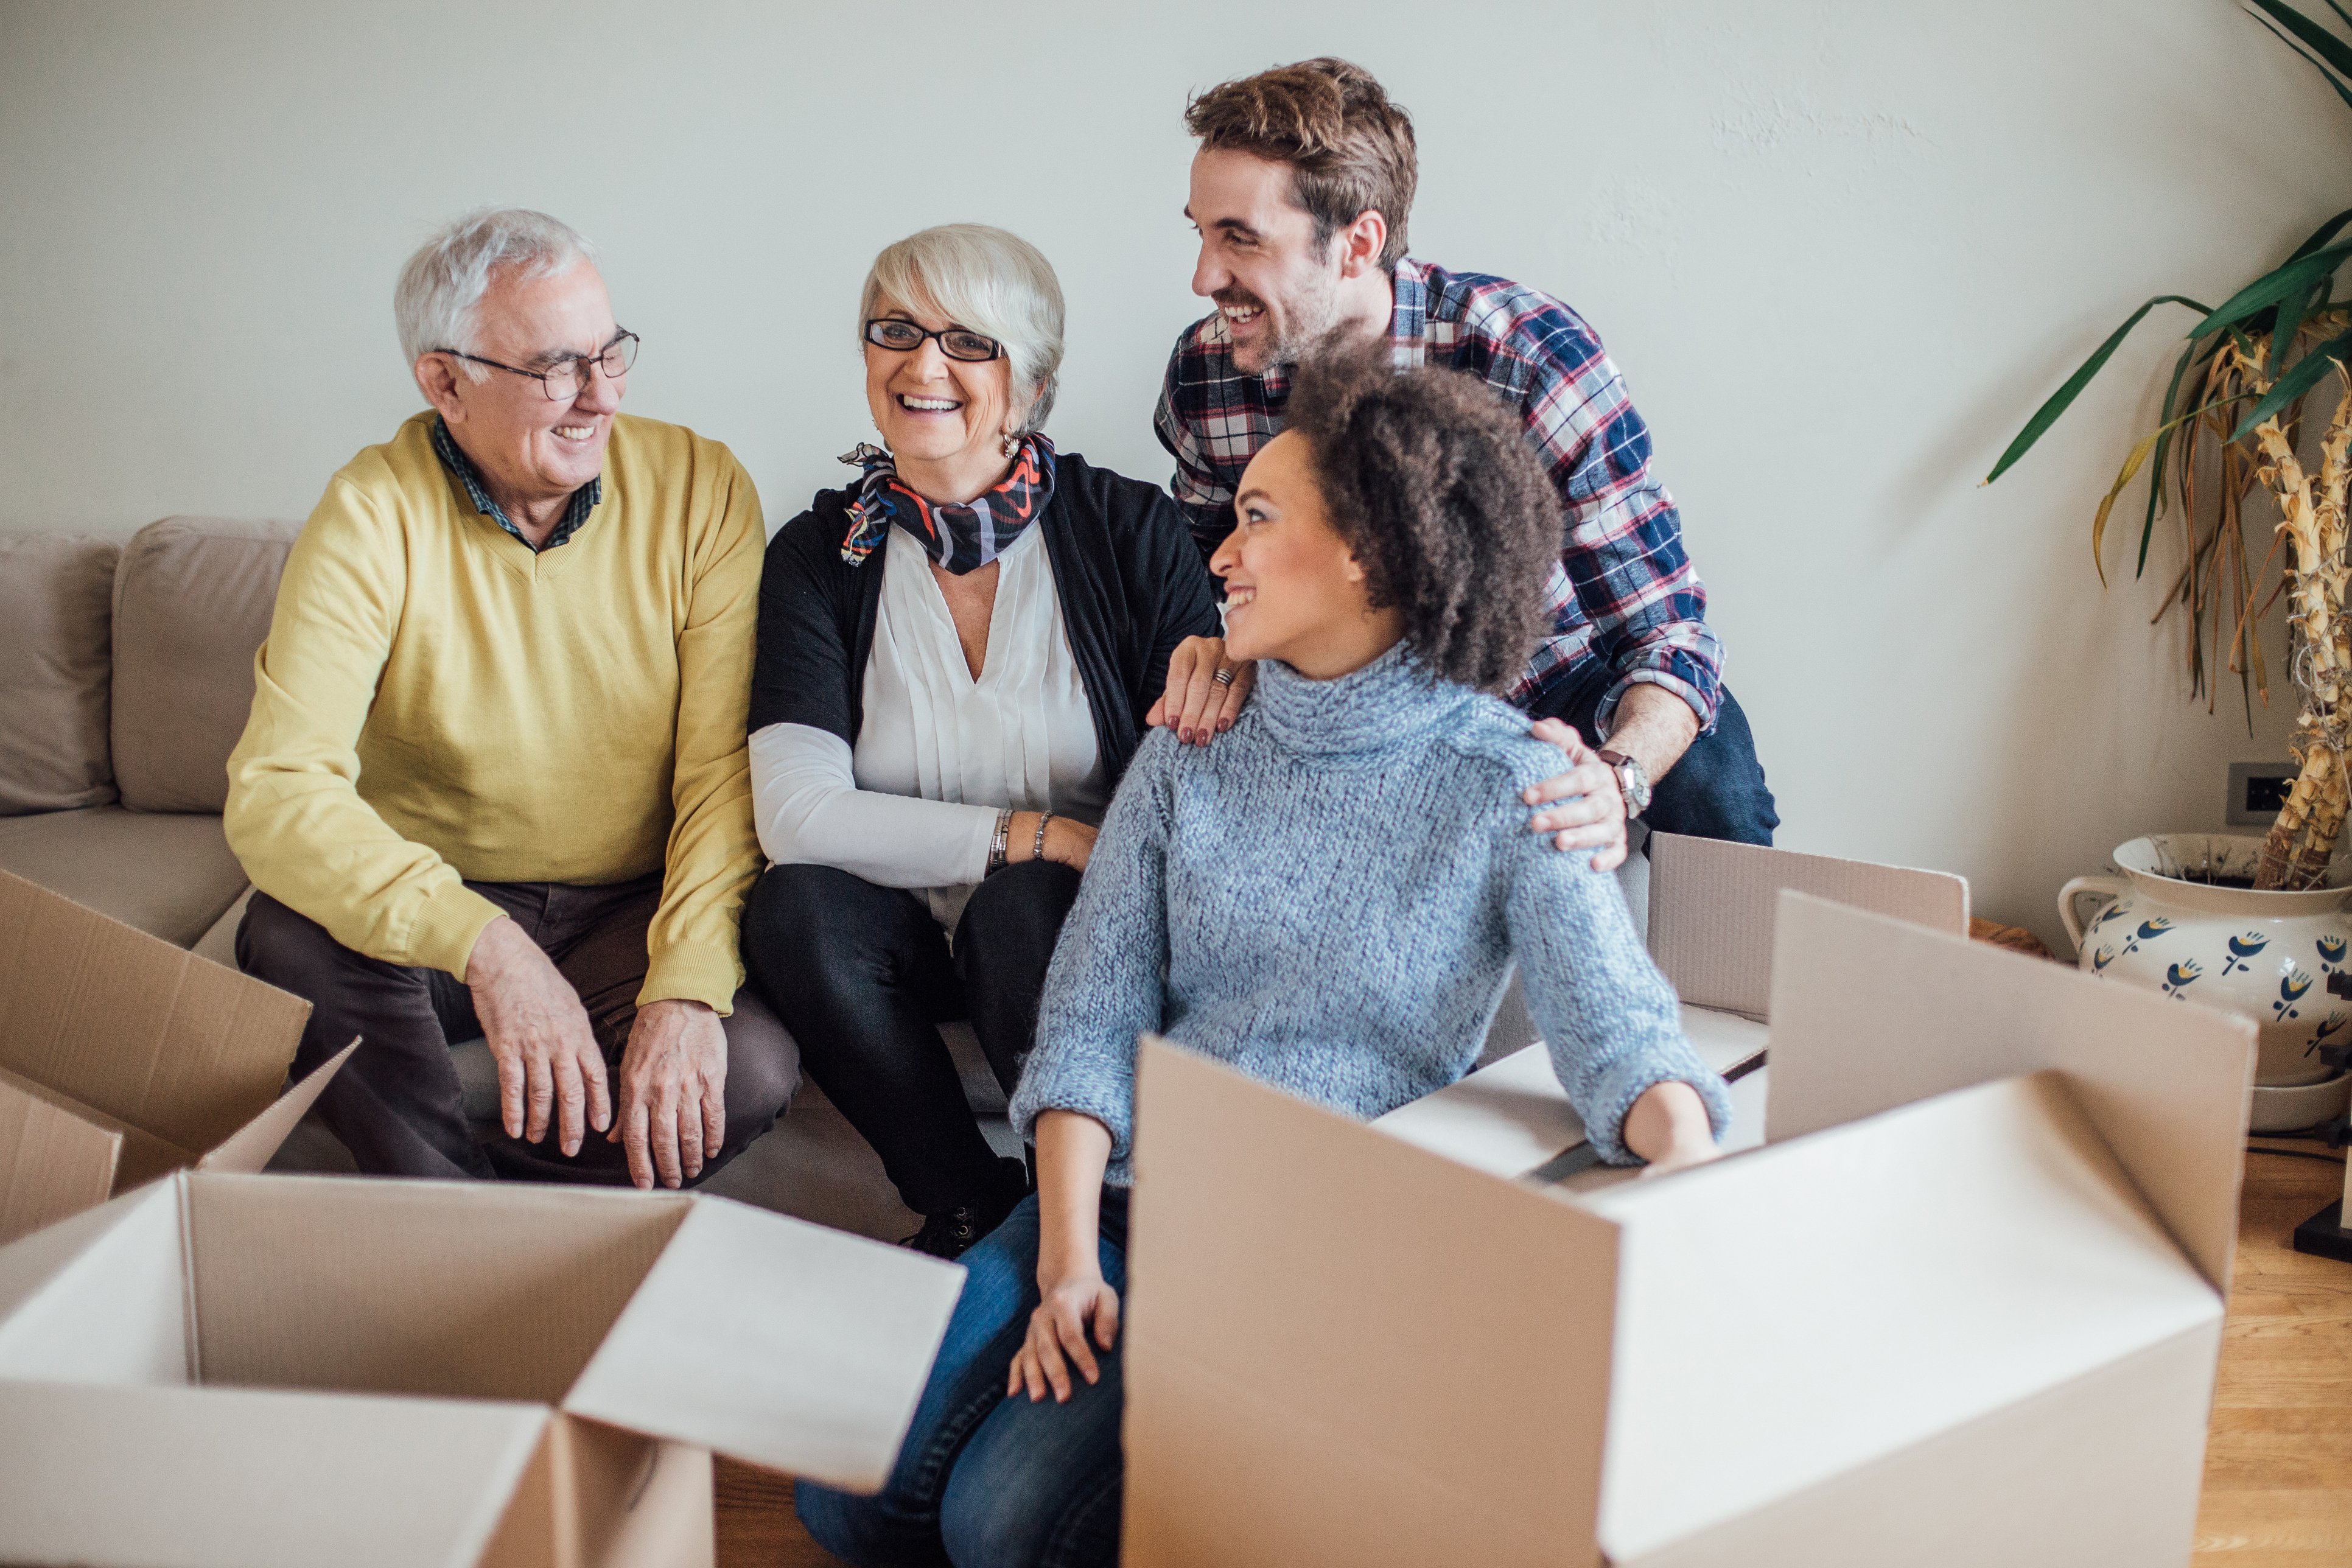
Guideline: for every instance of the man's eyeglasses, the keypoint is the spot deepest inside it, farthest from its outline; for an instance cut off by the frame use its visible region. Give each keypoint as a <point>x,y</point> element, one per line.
<point>567,378</point>
<point>956,342</point>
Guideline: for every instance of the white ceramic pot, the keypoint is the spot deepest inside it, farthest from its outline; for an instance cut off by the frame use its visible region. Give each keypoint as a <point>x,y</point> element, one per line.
<point>2268,956</point>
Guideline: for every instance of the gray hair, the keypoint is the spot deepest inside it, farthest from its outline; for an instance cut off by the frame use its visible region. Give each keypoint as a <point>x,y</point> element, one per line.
<point>442,284</point>
<point>988,280</point>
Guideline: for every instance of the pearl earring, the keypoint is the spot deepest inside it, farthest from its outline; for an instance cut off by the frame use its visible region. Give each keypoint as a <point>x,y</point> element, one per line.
<point>1011,448</point>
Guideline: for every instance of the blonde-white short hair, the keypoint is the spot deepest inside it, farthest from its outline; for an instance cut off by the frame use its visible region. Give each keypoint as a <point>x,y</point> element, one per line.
<point>988,280</point>
<point>440,290</point>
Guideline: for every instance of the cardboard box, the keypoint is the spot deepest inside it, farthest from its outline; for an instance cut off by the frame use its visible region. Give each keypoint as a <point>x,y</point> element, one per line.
<point>122,1058</point>
<point>1964,1308</point>
<point>1712,907</point>
<point>281,1370</point>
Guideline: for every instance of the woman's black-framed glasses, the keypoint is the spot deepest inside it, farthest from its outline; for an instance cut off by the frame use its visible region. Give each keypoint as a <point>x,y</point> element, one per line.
<point>568,378</point>
<point>956,342</point>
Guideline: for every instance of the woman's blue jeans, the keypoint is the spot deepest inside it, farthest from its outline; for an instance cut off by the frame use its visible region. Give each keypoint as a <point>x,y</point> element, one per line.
<point>984,1481</point>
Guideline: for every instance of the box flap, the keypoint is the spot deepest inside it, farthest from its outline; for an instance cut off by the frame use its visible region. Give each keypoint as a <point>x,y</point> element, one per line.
<point>1712,905</point>
<point>176,1478</point>
<point>1813,1306</point>
<point>1337,1339</point>
<point>1870,1013</point>
<point>774,1342</point>
<point>249,1147</point>
<point>468,1289</point>
<point>56,1158</point>
<point>131,1026</point>
<point>101,1298</point>
<point>1511,1117</point>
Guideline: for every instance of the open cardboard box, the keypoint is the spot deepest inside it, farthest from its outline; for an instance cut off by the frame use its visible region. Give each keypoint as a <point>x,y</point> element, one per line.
<point>122,1058</point>
<point>1963,1308</point>
<point>252,1370</point>
<point>1712,907</point>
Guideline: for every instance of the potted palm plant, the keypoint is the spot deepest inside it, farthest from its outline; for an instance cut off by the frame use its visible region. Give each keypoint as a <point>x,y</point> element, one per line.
<point>2255,925</point>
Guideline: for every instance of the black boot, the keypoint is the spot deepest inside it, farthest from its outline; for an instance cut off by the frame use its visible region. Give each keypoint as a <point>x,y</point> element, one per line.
<point>954,1233</point>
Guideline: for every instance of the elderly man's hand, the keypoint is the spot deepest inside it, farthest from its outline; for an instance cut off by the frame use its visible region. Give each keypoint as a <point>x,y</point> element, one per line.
<point>549,1063</point>
<point>1586,809</point>
<point>673,1092</point>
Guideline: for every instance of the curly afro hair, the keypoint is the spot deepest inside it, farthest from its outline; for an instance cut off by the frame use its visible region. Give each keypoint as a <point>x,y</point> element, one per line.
<point>1427,476</point>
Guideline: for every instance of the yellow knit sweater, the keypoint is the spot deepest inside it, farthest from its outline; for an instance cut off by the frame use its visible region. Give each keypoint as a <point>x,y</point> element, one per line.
<point>436,702</point>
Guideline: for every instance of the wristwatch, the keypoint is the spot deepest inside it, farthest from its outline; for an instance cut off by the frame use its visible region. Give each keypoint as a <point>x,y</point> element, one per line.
<point>1631,782</point>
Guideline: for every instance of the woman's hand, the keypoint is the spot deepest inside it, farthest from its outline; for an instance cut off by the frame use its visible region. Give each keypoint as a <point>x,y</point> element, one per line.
<point>1057,1336</point>
<point>1195,704</point>
<point>1068,841</point>
<point>1668,1128</point>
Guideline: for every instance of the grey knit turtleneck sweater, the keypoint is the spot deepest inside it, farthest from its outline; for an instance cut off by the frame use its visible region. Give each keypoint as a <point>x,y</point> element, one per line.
<point>1329,898</point>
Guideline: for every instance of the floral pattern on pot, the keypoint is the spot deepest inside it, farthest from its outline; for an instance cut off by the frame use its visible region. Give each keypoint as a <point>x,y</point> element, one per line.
<point>2173,923</point>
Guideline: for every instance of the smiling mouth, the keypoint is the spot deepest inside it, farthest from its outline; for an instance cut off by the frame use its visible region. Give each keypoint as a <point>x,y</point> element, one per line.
<point>1240,315</point>
<point>1238,598</point>
<point>575,432</point>
<point>928,404</point>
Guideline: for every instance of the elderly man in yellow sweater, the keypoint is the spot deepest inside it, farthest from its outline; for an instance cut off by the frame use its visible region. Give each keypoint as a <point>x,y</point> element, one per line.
<point>495,776</point>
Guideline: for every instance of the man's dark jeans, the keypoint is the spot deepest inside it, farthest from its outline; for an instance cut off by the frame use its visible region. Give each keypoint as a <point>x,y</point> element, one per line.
<point>1716,791</point>
<point>397,1105</point>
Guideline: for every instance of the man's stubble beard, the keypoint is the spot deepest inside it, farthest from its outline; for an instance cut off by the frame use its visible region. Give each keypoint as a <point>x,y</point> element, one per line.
<point>1306,319</point>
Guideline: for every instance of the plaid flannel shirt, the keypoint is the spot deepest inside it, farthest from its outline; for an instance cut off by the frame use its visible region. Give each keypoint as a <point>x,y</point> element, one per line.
<point>1626,605</point>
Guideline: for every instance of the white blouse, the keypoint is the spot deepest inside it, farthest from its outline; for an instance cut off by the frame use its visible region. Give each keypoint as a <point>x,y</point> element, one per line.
<point>939,754</point>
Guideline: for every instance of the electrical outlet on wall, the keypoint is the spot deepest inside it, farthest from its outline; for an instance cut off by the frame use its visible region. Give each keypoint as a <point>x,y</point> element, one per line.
<point>2258,792</point>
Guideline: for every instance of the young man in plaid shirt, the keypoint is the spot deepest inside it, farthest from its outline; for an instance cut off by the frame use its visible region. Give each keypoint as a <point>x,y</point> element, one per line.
<point>1300,192</point>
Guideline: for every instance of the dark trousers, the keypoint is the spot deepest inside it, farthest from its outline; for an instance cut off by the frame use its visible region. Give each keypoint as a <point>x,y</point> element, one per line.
<point>397,1106</point>
<point>862,975</point>
<point>1716,791</point>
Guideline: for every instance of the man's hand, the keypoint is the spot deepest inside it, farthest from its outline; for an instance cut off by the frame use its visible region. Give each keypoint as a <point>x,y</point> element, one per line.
<point>1585,808</point>
<point>547,1055</point>
<point>1195,705</point>
<point>673,1092</point>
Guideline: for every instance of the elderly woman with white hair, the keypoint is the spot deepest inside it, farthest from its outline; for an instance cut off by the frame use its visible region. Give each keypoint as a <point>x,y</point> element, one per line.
<point>958,653</point>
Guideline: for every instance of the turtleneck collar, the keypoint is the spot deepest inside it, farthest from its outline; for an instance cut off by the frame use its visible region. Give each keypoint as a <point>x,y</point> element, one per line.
<point>1388,703</point>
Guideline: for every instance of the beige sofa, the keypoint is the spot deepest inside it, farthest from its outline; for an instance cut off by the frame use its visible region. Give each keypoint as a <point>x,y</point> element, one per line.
<point>126,672</point>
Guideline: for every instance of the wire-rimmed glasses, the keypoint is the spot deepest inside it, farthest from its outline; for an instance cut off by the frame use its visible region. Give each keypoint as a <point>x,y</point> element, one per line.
<point>567,378</point>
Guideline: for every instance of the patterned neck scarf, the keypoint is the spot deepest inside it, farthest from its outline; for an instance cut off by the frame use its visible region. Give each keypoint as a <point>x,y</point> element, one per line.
<point>959,538</point>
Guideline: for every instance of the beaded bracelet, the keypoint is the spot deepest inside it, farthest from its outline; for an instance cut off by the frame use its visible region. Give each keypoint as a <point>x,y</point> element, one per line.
<point>1037,850</point>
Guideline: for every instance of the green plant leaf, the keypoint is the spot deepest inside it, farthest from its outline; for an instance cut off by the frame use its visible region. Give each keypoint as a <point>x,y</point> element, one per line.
<point>2164,445</point>
<point>2291,386</point>
<point>2325,232</point>
<point>2315,61</point>
<point>2290,313</point>
<point>2323,43</point>
<point>2271,287</point>
<point>2063,398</point>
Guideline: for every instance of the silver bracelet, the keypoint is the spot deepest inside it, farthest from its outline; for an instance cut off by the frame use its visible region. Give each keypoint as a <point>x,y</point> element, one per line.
<point>998,844</point>
<point>1037,850</point>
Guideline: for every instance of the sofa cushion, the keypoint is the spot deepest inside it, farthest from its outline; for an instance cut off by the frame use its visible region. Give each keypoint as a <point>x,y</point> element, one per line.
<point>171,877</point>
<point>56,594</point>
<point>191,602</point>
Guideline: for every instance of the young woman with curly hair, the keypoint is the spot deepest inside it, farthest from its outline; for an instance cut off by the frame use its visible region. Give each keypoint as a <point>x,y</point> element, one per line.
<point>1387,572</point>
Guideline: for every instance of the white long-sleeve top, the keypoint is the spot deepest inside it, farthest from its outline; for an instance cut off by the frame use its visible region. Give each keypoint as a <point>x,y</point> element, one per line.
<point>939,754</point>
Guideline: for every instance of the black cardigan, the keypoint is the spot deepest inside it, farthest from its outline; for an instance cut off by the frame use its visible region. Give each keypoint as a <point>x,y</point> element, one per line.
<point>1128,575</point>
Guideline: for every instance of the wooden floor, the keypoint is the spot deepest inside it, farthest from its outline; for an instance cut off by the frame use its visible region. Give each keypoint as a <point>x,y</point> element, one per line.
<point>2278,1465</point>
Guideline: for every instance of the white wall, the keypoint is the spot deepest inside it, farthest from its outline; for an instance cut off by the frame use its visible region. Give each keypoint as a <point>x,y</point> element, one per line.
<point>1841,249</point>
